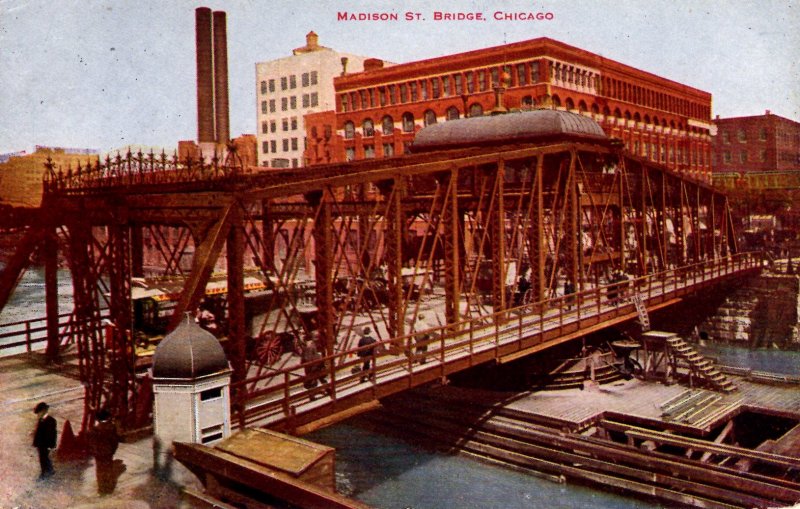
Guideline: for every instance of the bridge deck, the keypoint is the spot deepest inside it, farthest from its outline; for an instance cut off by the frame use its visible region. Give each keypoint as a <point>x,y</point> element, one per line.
<point>279,399</point>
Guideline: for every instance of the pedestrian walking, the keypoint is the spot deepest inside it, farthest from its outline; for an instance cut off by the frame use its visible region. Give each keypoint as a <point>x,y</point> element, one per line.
<point>103,443</point>
<point>314,367</point>
<point>44,438</point>
<point>367,354</point>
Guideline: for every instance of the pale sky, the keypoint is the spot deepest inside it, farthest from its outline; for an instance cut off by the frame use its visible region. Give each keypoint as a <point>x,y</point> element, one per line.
<point>104,74</point>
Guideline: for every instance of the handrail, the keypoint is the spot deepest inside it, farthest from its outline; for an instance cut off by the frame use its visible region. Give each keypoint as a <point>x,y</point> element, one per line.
<point>538,317</point>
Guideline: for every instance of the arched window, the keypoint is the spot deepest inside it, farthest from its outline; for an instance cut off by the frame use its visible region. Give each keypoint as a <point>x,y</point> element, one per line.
<point>368,128</point>
<point>570,104</point>
<point>408,122</point>
<point>672,124</point>
<point>526,103</point>
<point>387,124</point>
<point>556,101</point>
<point>617,113</point>
<point>429,117</point>
<point>647,119</point>
<point>452,113</point>
<point>655,121</point>
<point>637,117</point>
<point>627,115</point>
<point>349,130</point>
<point>582,106</point>
<point>475,110</point>
<point>595,108</point>
<point>606,111</point>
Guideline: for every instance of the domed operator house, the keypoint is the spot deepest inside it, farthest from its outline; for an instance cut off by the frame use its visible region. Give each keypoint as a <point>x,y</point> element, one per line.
<point>191,385</point>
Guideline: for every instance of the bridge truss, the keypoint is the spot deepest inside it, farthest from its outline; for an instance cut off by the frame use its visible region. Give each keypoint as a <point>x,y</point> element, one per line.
<point>371,243</point>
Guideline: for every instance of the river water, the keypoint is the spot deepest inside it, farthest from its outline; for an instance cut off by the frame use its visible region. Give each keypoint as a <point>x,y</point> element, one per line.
<point>387,472</point>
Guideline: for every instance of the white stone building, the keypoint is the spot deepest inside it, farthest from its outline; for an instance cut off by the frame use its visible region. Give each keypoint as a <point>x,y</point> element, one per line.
<point>291,87</point>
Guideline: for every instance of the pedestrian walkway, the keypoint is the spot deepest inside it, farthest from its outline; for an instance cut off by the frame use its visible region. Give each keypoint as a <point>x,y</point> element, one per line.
<point>25,381</point>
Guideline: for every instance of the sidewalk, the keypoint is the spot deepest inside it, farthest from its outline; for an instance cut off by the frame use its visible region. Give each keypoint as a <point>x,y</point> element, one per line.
<point>24,383</point>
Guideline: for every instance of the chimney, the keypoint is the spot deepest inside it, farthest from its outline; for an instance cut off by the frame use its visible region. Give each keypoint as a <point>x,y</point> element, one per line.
<point>222,117</point>
<point>372,64</point>
<point>205,78</point>
<point>312,40</point>
<point>344,65</point>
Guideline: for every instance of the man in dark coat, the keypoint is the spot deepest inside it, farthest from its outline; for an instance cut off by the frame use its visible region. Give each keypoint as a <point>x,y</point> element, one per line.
<point>103,443</point>
<point>367,354</point>
<point>44,438</point>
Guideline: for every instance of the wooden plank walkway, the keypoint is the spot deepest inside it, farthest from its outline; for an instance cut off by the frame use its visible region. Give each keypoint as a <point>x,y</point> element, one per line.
<point>645,401</point>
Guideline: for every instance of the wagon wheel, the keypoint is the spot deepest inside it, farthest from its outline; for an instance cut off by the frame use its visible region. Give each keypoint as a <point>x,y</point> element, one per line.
<point>269,349</point>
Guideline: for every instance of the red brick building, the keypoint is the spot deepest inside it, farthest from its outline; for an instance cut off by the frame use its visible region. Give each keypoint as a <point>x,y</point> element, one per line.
<point>761,143</point>
<point>378,111</point>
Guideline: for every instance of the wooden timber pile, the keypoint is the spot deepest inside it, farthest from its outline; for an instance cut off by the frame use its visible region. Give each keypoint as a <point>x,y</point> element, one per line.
<point>634,465</point>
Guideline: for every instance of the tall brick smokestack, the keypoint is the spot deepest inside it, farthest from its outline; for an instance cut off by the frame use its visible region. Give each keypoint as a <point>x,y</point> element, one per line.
<point>222,120</point>
<point>205,76</point>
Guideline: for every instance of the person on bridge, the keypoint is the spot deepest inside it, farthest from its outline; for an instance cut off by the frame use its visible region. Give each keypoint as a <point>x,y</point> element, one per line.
<point>314,368</point>
<point>44,438</point>
<point>367,354</point>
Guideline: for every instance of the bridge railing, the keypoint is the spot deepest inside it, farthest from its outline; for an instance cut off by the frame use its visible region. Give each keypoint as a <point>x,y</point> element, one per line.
<point>279,393</point>
<point>25,336</point>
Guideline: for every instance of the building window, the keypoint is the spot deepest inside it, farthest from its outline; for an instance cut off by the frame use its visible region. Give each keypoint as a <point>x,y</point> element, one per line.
<point>403,93</point>
<point>387,125</point>
<point>408,122</point>
<point>476,110</point>
<point>726,137</point>
<point>452,113</point>
<point>741,136</point>
<point>272,85</point>
<point>264,147</point>
<point>495,77</point>
<point>369,151</point>
<point>368,128</point>
<point>392,91</point>
<point>446,86</point>
<point>349,130</point>
<point>286,145</point>
<point>743,156</point>
<point>304,79</point>
<point>364,103</point>
<point>470,77</point>
<point>294,123</point>
<point>285,124</point>
<point>272,105</point>
<point>292,81</point>
<point>313,77</point>
<point>294,143</point>
<point>372,102</point>
<point>482,80</point>
<point>273,126</point>
<point>314,99</point>
<point>284,83</point>
<point>522,76</point>
<point>388,150</point>
<point>762,134</point>
<point>273,146</point>
<point>663,154</point>
<point>429,117</point>
<point>294,162</point>
<point>293,102</point>
<point>382,96</point>
<point>306,101</point>
<point>264,87</point>
<point>458,83</point>
<point>763,156</point>
<point>527,103</point>
<point>263,106</point>
<point>264,127</point>
<point>284,103</point>
<point>413,88</point>
<point>349,154</point>
<point>280,163</point>
<point>423,87</point>
<point>435,88</point>
<point>345,104</point>
<point>211,394</point>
